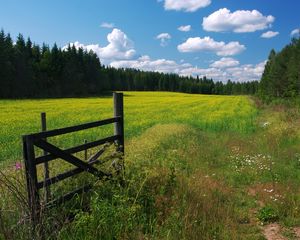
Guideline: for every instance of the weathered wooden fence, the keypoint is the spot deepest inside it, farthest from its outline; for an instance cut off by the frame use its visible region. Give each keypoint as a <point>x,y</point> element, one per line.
<point>52,152</point>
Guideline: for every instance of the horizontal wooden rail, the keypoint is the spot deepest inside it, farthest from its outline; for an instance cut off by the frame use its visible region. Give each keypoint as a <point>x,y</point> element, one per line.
<point>69,195</point>
<point>93,160</point>
<point>59,178</point>
<point>67,174</point>
<point>61,131</point>
<point>79,148</point>
<point>66,156</point>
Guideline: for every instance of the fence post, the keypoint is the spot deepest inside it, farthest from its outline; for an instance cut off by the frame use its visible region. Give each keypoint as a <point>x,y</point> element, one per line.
<point>31,178</point>
<point>46,165</point>
<point>119,112</point>
<point>85,150</point>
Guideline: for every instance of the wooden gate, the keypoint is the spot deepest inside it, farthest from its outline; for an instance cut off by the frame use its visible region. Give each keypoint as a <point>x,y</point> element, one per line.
<point>53,152</point>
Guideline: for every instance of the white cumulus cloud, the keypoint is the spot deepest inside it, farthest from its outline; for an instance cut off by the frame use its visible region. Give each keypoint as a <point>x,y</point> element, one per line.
<point>239,21</point>
<point>247,72</point>
<point>198,44</point>
<point>119,47</point>
<point>185,28</point>
<point>225,63</point>
<point>120,53</point>
<point>186,5</point>
<point>107,25</point>
<point>244,73</point>
<point>218,71</point>
<point>164,38</point>
<point>295,32</point>
<point>269,34</point>
<point>147,64</point>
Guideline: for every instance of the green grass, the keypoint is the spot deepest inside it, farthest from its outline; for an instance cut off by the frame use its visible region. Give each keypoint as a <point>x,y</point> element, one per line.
<point>211,166</point>
<point>142,110</point>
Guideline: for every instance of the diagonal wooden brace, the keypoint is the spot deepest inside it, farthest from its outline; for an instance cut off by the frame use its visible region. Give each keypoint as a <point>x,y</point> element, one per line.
<point>67,157</point>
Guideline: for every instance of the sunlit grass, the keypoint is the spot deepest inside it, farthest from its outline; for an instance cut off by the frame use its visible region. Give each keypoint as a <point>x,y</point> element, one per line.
<point>142,110</point>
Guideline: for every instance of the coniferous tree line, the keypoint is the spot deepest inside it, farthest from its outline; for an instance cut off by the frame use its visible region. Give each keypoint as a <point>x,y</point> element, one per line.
<point>30,71</point>
<point>281,77</point>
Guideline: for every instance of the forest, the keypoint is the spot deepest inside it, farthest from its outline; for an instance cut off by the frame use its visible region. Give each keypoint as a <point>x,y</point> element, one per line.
<point>28,70</point>
<point>281,77</point>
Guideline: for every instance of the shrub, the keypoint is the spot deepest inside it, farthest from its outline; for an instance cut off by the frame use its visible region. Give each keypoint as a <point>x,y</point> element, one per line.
<point>268,214</point>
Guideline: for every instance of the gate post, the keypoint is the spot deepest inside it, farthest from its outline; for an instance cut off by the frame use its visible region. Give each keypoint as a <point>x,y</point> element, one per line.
<point>119,112</point>
<point>46,165</point>
<point>31,178</point>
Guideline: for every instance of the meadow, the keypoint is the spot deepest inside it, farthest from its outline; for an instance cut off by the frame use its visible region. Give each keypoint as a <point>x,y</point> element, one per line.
<point>197,167</point>
<point>142,110</point>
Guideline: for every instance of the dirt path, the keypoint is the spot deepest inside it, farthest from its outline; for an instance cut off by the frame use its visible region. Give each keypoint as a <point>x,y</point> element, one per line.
<point>297,232</point>
<point>273,232</point>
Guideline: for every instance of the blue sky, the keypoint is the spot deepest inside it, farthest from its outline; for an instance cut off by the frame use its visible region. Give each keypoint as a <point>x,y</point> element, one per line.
<point>222,39</point>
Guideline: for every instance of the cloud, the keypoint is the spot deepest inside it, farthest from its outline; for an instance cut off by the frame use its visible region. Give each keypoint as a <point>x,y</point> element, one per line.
<point>225,63</point>
<point>295,32</point>
<point>107,25</point>
<point>247,72</point>
<point>186,28</point>
<point>239,21</point>
<point>164,38</point>
<point>119,47</point>
<point>214,73</point>
<point>120,53</point>
<point>198,44</point>
<point>269,34</point>
<point>145,63</point>
<point>242,73</point>
<point>217,72</point>
<point>186,5</point>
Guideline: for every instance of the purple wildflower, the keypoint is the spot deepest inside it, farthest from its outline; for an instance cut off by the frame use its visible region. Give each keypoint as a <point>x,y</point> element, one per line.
<point>18,165</point>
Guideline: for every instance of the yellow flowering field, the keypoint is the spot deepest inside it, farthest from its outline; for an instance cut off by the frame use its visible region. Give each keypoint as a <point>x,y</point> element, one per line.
<point>142,110</point>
